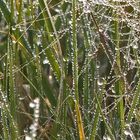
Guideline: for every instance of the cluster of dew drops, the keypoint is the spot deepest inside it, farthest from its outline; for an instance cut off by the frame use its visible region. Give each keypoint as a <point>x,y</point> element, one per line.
<point>34,126</point>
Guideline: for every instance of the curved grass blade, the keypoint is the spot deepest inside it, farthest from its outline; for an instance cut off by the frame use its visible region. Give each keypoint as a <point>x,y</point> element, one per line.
<point>48,26</point>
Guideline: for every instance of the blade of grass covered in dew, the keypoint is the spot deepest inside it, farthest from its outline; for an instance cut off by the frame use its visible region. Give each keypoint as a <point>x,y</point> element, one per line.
<point>11,89</point>
<point>120,85</point>
<point>10,63</point>
<point>59,51</point>
<point>4,117</point>
<point>9,82</point>
<point>75,72</point>
<point>49,53</point>
<point>88,68</point>
<point>50,27</point>
<point>10,107</point>
<point>86,81</point>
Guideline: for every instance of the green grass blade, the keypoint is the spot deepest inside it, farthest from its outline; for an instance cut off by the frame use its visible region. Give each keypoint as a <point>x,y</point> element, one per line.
<point>6,11</point>
<point>50,55</point>
<point>75,72</point>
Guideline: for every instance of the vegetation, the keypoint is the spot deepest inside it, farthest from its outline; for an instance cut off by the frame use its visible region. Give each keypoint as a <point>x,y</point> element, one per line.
<point>69,70</point>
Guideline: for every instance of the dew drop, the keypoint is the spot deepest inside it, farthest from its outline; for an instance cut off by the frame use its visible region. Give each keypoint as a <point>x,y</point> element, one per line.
<point>125,73</point>
<point>45,61</point>
<point>36,100</point>
<point>28,137</point>
<point>90,54</point>
<point>127,133</point>
<point>100,82</point>
<point>135,47</point>
<point>106,138</point>
<point>14,42</point>
<point>58,135</point>
<point>34,134</point>
<point>13,28</point>
<point>70,22</point>
<point>38,42</point>
<point>98,65</point>
<point>32,105</point>
<point>32,127</point>
<point>50,77</point>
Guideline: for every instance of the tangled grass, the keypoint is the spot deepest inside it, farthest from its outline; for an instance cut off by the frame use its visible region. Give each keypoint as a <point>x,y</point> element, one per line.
<point>69,70</point>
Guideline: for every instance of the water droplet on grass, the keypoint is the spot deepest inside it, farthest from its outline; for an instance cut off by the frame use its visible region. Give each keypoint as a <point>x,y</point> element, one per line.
<point>32,105</point>
<point>28,137</point>
<point>13,28</point>
<point>45,61</point>
<point>106,138</point>
<point>100,82</point>
<point>14,42</point>
<point>135,47</point>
